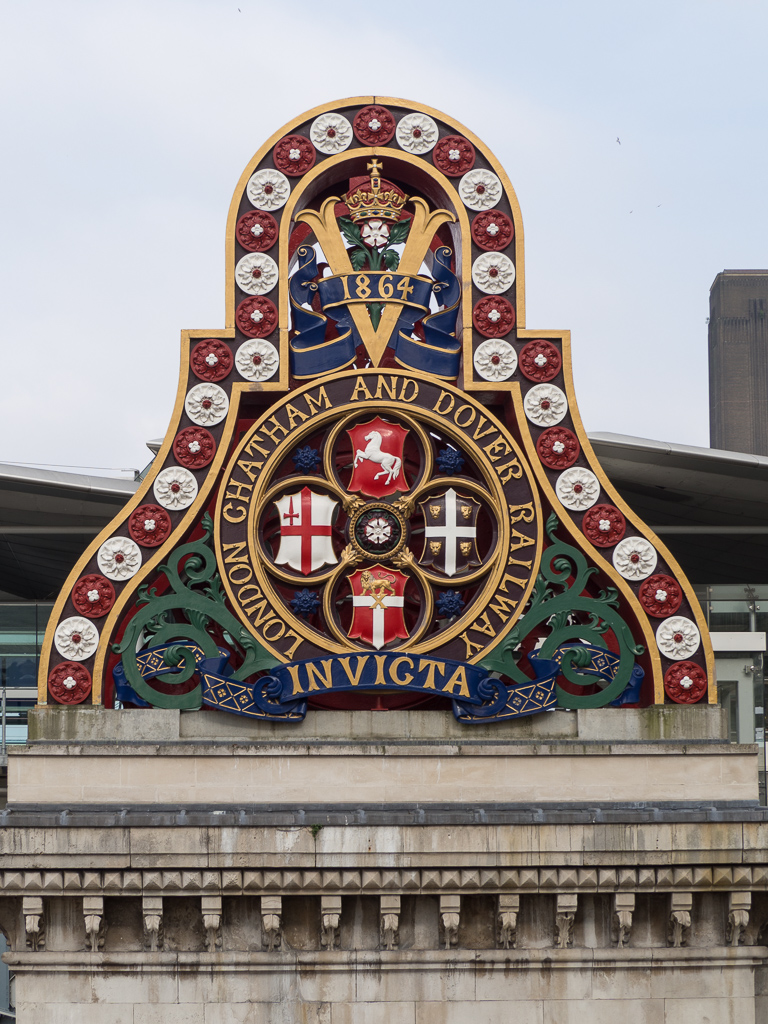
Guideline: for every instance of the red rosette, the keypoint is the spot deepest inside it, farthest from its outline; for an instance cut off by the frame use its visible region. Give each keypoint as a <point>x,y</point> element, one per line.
<point>454,155</point>
<point>596,532</point>
<point>540,361</point>
<point>685,682</point>
<point>211,360</point>
<point>558,447</point>
<point>149,536</point>
<point>194,447</point>
<point>256,317</point>
<point>487,322</point>
<point>660,607</point>
<point>256,231</point>
<point>369,136</point>
<point>492,230</point>
<point>83,596</point>
<point>69,683</point>
<point>294,155</point>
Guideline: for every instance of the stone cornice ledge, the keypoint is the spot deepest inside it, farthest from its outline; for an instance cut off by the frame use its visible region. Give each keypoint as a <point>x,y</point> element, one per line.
<point>398,960</point>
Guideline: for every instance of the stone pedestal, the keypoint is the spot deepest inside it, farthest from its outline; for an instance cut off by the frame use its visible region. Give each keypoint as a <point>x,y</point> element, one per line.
<point>196,868</point>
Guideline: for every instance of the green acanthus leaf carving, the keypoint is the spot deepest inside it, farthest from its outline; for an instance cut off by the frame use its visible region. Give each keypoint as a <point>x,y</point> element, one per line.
<point>558,607</point>
<point>186,612</point>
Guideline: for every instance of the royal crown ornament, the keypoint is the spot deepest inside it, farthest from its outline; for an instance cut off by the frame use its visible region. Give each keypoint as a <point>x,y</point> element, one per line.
<point>374,197</point>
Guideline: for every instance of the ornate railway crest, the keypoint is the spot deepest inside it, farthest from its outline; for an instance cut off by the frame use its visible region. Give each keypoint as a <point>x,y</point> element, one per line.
<point>376,481</point>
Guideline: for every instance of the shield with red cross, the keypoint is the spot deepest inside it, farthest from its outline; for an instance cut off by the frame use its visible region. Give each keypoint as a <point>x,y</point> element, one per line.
<point>377,605</point>
<point>377,464</point>
<point>306,518</point>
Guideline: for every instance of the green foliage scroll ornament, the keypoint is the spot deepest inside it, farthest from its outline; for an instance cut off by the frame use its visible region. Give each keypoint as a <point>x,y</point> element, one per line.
<point>556,604</point>
<point>195,603</point>
<point>361,253</point>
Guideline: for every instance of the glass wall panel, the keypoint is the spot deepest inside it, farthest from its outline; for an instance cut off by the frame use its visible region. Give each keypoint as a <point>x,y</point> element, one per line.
<point>22,629</point>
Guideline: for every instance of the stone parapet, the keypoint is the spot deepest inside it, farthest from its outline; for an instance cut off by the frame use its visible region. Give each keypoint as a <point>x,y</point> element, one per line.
<point>396,757</point>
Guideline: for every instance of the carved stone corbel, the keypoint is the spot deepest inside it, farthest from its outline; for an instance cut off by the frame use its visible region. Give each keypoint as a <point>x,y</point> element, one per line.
<point>739,905</point>
<point>95,923</point>
<point>271,922</point>
<point>565,914</point>
<point>211,911</point>
<point>34,922</point>
<point>152,913</point>
<point>450,915</point>
<point>390,921</point>
<point>623,909</point>
<point>330,915</point>
<point>506,920</point>
<point>679,928</point>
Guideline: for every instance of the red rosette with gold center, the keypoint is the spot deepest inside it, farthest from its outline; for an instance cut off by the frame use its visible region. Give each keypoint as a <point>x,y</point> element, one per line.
<point>685,682</point>
<point>149,525</point>
<point>69,683</point>
<point>454,155</point>
<point>93,596</point>
<point>374,126</point>
<point>603,525</point>
<point>194,447</point>
<point>211,360</point>
<point>558,447</point>
<point>492,230</point>
<point>256,317</point>
<point>256,231</point>
<point>540,361</point>
<point>660,595</point>
<point>493,316</point>
<point>294,155</point>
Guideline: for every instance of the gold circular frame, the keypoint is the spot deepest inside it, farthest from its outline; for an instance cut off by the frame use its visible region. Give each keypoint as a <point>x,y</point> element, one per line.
<point>418,418</point>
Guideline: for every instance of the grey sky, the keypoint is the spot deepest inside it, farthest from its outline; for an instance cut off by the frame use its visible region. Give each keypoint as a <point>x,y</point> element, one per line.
<point>125,127</point>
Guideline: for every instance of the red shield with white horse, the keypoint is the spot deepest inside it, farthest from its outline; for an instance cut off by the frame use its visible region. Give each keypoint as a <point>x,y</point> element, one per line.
<point>377,458</point>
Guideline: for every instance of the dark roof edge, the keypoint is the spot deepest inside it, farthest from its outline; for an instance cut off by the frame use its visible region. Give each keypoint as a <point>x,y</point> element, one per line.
<point>714,456</point>
<point>67,481</point>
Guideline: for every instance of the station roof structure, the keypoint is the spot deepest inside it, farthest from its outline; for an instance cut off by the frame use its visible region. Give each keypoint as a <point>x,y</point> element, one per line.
<point>710,507</point>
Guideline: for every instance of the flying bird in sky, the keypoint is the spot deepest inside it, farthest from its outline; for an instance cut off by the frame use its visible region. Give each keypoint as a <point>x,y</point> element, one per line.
<point>618,140</point>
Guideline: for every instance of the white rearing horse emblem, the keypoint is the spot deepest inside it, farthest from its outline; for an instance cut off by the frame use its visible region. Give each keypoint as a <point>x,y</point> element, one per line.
<point>390,464</point>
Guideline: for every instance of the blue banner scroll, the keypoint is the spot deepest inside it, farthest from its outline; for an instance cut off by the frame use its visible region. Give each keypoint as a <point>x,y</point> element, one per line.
<point>282,696</point>
<point>476,696</point>
<point>151,664</point>
<point>439,352</point>
<point>311,354</point>
<point>603,666</point>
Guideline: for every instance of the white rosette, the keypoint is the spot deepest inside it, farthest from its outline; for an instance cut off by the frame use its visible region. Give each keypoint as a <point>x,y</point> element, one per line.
<point>331,133</point>
<point>545,405</point>
<point>76,638</point>
<point>480,189</point>
<point>257,360</point>
<point>256,273</point>
<point>206,404</point>
<point>495,359</point>
<point>416,133</point>
<point>119,558</point>
<point>268,189</point>
<point>678,638</point>
<point>175,488</point>
<point>578,489</point>
<point>493,273</point>
<point>635,558</point>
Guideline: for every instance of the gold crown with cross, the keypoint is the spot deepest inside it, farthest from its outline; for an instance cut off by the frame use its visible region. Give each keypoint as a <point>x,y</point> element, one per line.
<point>373,197</point>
